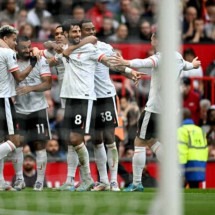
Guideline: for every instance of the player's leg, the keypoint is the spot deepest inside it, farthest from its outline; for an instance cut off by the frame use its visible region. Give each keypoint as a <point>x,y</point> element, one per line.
<point>38,134</point>
<point>147,129</point>
<point>7,127</point>
<point>99,148</point>
<point>110,120</point>
<point>17,155</point>
<point>7,130</point>
<point>77,120</point>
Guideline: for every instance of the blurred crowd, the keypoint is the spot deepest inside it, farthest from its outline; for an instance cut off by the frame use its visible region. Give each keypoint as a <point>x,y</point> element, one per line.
<point>115,20</point>
<point>119,21</point>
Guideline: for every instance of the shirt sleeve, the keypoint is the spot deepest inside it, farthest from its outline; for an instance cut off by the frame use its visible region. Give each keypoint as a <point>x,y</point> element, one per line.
<point>96,54</point>
<point>187,65</point>
<point>44,68</point>
<point>150,62</point>
<point>11,61</point>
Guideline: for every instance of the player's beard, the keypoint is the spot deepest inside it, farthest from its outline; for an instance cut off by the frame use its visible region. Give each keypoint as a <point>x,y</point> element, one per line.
<point>24,57</point>
<point>75,41</point>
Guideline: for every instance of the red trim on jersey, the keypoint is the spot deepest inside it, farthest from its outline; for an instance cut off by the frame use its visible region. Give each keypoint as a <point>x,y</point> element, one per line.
<point>100,57</point>
<point>14,69</point>
<point>153,61</point>
<point>46,74</point>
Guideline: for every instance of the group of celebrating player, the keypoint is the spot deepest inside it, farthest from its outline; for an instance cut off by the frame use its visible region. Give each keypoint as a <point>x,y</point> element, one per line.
<point>88,96</point>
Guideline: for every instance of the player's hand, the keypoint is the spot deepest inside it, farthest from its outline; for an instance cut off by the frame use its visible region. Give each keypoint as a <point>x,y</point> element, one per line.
<point>66,52</point>
<point>36,52</point>
<point>196,63</point>
<point>23,90</point>
<point>118,61</point>
<point>59,48</point>
<point>33,61</point>
<point>135,76</point>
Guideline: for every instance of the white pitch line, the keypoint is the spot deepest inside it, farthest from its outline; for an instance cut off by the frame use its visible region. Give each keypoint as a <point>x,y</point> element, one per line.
<point>23,212</point>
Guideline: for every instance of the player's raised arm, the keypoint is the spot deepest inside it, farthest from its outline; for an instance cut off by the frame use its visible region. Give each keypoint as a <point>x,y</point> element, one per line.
<point>71,48</point>
<point>21,75</point>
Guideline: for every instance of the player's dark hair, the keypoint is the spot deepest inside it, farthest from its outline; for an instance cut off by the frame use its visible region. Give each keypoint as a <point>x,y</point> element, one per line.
<point>59,26</point>
<point>22,38</point>
<point>84,21</point>
<point>7,30</point>
<point>70,22</point>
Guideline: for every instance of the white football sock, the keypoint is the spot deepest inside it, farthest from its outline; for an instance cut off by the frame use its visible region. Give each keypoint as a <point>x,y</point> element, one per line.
<point>17,159</point>
<point>157,149</point>
<point>41,158</point>
<point>113,160</point>
<point>101,162</point>
<point>5,148</point>
<point>1,171</point>
<point>72,163</point>
<point>83,157</point>
<point>138,163</point>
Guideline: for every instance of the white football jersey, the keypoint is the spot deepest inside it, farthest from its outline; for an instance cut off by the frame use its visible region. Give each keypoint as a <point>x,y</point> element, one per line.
<point>104,87</point>
<point>8,64</point>
<point>78,81</point>
<point>33,101</point>
<point>154,103</point>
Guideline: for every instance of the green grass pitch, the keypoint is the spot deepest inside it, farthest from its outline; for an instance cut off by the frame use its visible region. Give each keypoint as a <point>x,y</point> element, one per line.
<point>48,202</point>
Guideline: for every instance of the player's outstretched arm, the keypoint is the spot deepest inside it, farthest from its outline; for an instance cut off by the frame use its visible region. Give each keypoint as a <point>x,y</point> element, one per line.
<point>194,65</point>
<point>71,48</point>
<point>45,85</point>
<point>136,63</point>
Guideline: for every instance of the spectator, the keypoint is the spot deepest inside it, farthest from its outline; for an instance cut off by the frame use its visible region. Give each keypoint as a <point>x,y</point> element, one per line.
<point>28,30</point>
<point>36,14</point>
<point>150,12</point>
<point>45,33</point>
<point>209,128</point>
<point>133,22</point>
<point>210,70</point>
<point>210,27</point>
<point>121,34</point>
<point>145,32</point>
<point>78,12</point>
<point>204,107</point>
<point>107,29</point>
<point>188,22</point>
<point>54,7</point>
<point>199,34</point>
<point>98,12</point>
<point>21,18</point>
<point>125,6</point>
<point>53,150</point>
<point>189,54</point>
<point>29,171</point>
<point>190,99</point>
<point>193,150</point>
<point>10,12</point>
<point>211,153</point>
<point>131,113</point>
<point>4,22</point>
